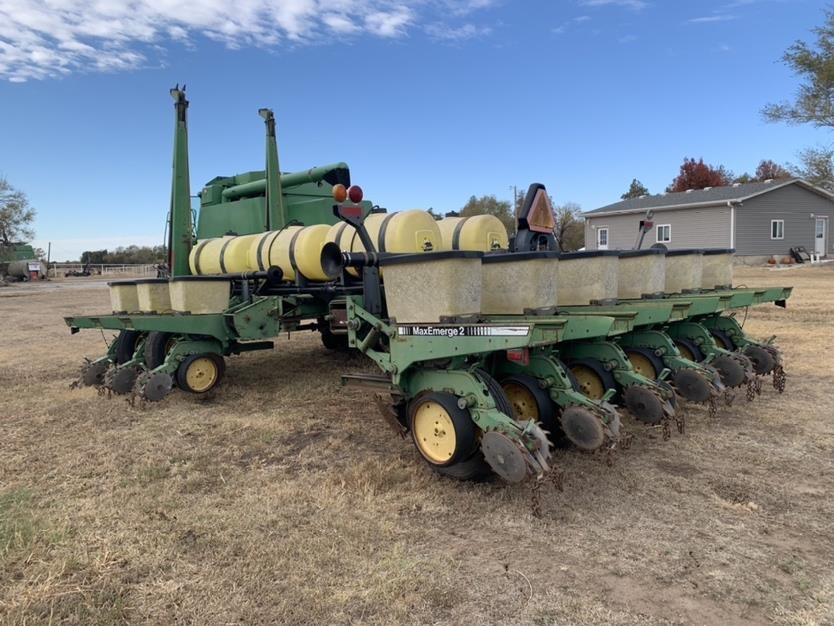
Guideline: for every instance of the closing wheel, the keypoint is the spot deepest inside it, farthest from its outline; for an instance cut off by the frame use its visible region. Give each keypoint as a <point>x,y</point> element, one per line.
<point>583,428</point>
<point>730,370</point>
<point>92,374</point>
<point>442,431</point>
<point>692,385</point>
<point>528,400</point>
<point>689,350</point>
<point>504,456</point>
<point>645,362</point>
<point>592,378</point>
<point>762,360</point>
<point>200,373</point>
<point>643,404</point>
<point>123,379</point>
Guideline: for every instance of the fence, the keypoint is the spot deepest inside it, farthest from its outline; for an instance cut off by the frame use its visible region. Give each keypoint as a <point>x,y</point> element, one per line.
<point>58,270</point>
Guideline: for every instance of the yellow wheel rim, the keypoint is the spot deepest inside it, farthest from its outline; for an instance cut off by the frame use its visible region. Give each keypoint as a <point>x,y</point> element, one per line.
<point>642,365</point>
<point>201,374</point>
<point>434,432</point>
<point>590,384</point>
<point>685,352</point>
<point>522,400</point>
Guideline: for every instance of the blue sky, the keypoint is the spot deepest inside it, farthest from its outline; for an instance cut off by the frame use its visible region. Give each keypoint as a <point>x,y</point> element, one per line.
<point>429,101</point>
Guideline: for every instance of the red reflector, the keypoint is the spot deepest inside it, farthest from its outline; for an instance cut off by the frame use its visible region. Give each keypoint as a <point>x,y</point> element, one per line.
<point>350,211</point>
<point>648,225</point>
<point>355,194</point>
<point>519,355</point>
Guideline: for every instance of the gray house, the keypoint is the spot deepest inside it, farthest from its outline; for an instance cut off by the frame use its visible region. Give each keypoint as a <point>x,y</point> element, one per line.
<point>757,219</point>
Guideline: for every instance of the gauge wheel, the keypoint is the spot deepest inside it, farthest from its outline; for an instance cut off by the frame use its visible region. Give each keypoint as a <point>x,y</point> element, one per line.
<point>591,377</point>
<point>200,373</point>
<point>528,400</point>
<point>157,346</point>
<point>645,362</point>
<point>126,345</point>
<point>442,431</point>
<point>722,339</point>
<point>689,350</point>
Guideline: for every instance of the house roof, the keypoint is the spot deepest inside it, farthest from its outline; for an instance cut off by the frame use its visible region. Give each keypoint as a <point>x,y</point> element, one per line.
<point>733,194</point>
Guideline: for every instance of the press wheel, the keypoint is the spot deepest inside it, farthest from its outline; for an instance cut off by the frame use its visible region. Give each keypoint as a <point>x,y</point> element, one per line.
<point>200,373</point>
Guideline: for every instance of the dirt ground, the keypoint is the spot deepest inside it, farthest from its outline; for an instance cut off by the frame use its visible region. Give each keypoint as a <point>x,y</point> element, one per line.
<point>286,499</point>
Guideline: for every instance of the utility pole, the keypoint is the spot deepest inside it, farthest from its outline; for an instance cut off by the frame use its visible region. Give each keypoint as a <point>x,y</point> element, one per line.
<point>515,199</point>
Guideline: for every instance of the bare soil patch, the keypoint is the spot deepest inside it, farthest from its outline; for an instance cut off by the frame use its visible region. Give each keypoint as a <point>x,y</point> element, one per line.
<point>286,499</point>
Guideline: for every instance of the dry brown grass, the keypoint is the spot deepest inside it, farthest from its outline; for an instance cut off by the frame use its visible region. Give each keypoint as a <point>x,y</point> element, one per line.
<point>285,499</point>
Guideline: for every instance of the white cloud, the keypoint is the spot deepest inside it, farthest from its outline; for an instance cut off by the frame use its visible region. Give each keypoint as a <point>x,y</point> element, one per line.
<point>460,33</point>
<point>630,4</point>
<point>711,18</point>
<point>50,38</point>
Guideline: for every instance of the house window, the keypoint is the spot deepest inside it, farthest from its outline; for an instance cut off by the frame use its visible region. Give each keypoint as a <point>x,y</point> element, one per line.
<point>777,229</point>
<point>664,233</point>
<point>602,238</point>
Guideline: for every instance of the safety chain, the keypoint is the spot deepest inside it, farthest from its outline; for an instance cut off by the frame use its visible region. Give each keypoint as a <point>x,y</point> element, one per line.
<point>779,378</point>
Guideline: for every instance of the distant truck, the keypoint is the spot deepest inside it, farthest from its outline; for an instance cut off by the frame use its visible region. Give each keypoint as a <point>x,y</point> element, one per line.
<point>19,262</point>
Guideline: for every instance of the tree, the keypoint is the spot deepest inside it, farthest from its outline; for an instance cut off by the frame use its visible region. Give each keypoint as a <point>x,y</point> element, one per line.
<point>817,167</point>
<point>570,227</point>
<point>16,215</point>
<point>770,170</point>
<point>490,205</point>
<point>698,175</point>
<point>814,102</point>
<point>636,190</point>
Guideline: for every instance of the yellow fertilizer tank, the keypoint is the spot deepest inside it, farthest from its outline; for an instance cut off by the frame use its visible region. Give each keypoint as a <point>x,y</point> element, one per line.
<point>402,232</point>
<point>295,249</point>
<point>481,233</point>
<point>223,255</point>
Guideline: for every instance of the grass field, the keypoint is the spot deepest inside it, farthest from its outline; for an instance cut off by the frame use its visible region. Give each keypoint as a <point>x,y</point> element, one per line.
<point>285,498</point>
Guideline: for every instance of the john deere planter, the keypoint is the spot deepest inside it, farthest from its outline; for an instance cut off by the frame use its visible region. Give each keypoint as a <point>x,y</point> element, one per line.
<point>489,354</point>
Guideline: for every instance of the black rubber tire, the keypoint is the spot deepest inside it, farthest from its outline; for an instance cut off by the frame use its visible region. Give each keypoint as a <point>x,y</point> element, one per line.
<point>544,405</point>
<point>762,360</point>
<point>332,341</point>
<point>692,347</point>
<point>722,339</point>
<point>502,403</point>
<point>156,348</point>
<point>126,345</point>
<point>465,429</point>
<point>475,468</point>
<point>594,365</point>
<point>656,361</point>
<point>180,377</point>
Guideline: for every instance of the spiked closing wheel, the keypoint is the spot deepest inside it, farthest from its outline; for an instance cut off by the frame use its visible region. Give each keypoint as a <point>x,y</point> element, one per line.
<point>504,456</point>
<point>762,360</point>
<point>157,386</point>
<point>92,374</point>
<point>583,428</point>
<point>692,385</point>
<point>643,404</point>
<point>730,370</point>
<point>123,379</point>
